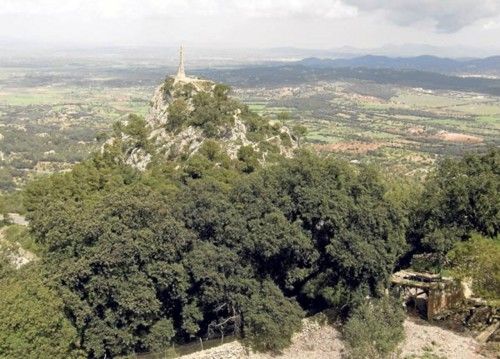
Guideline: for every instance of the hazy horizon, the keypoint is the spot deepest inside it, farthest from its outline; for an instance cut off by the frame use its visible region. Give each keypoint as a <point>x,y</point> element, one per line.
<point>257,24</point>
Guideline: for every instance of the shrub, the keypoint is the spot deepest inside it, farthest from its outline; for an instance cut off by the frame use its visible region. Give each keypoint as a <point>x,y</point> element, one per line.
<point>137,129</point>
<point>270,319</point>
<point>478,259</point>
<point>248,157</point>
<point>160,335</point>
<point>178,114</point>
<point>32,321</point>
<point>375,329</point>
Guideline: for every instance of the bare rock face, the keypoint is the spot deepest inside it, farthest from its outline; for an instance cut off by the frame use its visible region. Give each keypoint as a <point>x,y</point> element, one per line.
<point>185,113</point>
<point>138,158</point>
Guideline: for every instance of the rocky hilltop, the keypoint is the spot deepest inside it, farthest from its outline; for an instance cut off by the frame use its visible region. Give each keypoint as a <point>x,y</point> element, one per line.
<point>189,115</point>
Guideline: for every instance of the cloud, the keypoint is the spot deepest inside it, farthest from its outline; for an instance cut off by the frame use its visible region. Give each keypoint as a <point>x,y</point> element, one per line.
<point>446,15</point>
<point>181,8</point>
<point>295,8</point>
<point>492,25</point>
<point>302,23</point>
<point>443,15</point>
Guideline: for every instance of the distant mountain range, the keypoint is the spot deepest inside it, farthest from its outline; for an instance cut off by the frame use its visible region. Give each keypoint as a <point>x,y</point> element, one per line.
<point>486,66</point>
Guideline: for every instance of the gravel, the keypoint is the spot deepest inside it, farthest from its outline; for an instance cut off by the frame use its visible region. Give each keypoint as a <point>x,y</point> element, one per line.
<point>317,341</point>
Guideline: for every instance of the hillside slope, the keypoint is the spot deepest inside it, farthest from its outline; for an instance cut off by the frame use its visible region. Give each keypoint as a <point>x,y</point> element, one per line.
<point>191,115</point>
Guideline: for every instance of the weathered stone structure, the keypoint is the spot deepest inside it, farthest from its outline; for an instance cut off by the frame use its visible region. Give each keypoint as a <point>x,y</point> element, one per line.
<point>181,73</point>
<point>439,293</point>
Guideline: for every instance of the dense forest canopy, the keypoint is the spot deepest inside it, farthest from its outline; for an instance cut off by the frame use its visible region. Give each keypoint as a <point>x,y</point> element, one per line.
<point>134,261</point>
<point>460,198</point>
<point>130,255</point>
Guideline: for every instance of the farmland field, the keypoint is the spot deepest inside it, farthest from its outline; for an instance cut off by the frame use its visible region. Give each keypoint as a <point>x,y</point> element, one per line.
<point>51,119</point>
<point>53,115</point>
<point>407,131</point>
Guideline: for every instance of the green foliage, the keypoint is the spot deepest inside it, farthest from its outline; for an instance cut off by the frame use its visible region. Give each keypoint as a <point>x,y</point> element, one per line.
<point>184,91</point>
<point>101,136</point>
<point>403,192</point>
<point>283,117</point>
<point>299,131</point>
<point>285,140</point>
<point>5,265</point>
<point>117,129</point>
<point>345,214</point>
<point>213,111</point>
<point>7,180</point>
<point>160,335</point>
<point>271,319</point>
<point>197,166</point>
<point>32,321</point>
<point>221,92</point>
<point>168,84</point>
<point>213,151</point>
<point>137,128</point>
<point>118,271</point>
<point>249,157</point>
<point>178,114</point>
<point>375,329</point>
<point>258,127</point>
<point>479,260</point>
<point>460,197</point>
<point>97,175</point>
<point>144,259</point>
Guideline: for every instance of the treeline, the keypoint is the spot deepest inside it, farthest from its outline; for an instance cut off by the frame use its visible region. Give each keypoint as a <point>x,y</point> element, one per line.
<point>133,262</point>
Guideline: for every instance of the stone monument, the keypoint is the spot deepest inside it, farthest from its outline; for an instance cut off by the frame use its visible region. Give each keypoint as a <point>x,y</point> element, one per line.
<point>181,73</point>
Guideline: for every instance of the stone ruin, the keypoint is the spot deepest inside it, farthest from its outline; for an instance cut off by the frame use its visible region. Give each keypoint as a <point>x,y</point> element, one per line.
<point>434,293</point>
<point>448,300</point>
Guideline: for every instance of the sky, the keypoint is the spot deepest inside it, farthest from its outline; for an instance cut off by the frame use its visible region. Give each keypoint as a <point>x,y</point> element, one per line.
<point>319,24</point>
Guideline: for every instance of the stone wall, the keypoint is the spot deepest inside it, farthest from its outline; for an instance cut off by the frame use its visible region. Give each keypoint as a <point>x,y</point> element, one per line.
<point>445,296</point>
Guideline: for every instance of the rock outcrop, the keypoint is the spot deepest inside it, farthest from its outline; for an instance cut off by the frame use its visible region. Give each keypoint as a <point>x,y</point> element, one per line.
<point>188,112</point>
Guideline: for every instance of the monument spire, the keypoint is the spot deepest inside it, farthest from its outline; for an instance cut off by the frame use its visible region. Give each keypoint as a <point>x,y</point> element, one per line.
<point>181,74</point>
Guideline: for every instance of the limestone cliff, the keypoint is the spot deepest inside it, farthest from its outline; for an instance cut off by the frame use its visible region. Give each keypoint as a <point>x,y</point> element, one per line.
<point>186,113</point>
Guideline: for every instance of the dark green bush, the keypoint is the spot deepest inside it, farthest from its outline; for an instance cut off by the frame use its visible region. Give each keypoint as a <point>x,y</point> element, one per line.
<point>270,319</point>
<point>460,198</point>
<point>178,114</point>
<point>32,320</point>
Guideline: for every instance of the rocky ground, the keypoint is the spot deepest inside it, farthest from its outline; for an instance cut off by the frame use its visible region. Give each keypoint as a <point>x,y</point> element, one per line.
<point>422,338</point>
<point>18,219</point>
<point>323,342</point>
<point>15,218</point>
<point>15,252</point>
